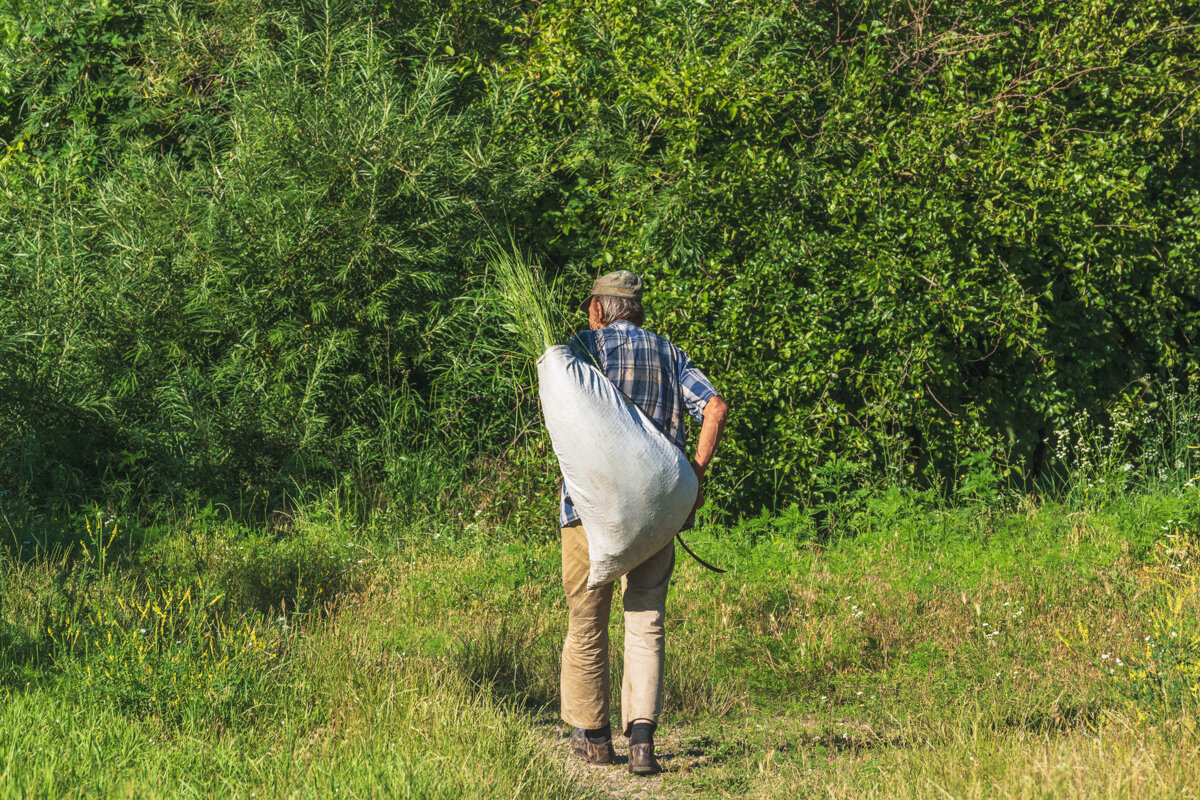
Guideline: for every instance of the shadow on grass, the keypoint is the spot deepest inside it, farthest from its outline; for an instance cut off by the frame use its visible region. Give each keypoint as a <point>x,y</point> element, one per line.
<point>1056,718</point>
<point>22,662</point>
<point>513,663</point>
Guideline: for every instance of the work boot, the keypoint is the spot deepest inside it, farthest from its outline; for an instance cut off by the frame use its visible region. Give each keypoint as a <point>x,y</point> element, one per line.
<point>590,751</point>
<point>641,749</point>
<point>642,760</point>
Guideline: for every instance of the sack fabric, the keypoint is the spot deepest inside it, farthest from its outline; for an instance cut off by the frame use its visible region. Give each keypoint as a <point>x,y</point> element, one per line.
<point>633,488</point>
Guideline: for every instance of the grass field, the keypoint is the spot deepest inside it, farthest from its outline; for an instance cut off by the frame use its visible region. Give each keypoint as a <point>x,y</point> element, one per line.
<point>908,651</point>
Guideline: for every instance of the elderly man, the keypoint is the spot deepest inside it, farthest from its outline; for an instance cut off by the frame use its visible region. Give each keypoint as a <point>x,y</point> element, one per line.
<point>659,379</point>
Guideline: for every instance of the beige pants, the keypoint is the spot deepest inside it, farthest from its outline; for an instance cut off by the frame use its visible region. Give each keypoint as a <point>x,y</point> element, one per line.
<point>585,691</point>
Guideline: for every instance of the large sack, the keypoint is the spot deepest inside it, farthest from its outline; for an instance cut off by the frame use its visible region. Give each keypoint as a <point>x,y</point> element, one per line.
<point>631,485</point>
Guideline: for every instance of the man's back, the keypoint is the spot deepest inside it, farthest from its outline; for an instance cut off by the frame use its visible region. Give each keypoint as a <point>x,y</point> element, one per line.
<point>654,374</point>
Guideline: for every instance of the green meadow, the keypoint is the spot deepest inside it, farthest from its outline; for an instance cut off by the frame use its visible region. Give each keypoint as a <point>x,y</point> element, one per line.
<point>912,650</point>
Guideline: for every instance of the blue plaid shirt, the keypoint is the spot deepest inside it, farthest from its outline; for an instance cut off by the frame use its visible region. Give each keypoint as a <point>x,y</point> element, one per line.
<point>654,374</point>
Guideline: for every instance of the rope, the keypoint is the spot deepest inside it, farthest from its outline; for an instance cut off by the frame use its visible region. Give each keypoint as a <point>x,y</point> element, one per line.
<point>699,560</point>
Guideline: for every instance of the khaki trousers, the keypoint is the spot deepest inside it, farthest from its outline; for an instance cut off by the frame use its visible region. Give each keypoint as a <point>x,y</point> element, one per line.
<point>584,677</point>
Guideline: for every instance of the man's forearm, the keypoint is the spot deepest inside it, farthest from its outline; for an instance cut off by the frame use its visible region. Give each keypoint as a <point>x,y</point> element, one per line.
<point>715,412</point>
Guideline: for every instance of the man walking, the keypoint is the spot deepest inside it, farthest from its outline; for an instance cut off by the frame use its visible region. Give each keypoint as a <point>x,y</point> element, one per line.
<point>659,379</point>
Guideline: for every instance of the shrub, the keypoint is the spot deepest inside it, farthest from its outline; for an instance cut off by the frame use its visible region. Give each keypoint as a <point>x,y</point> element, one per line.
<point>240,241</point>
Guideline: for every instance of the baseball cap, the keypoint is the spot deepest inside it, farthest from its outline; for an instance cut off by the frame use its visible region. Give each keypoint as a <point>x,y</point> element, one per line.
<point>619,283</point>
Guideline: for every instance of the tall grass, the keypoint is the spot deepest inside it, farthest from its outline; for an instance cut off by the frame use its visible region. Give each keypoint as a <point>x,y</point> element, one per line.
<point>532,306</point>
<point>264,299</point>
<point>1146,443</point>
<point>215,661</point>
<point>918,642</point>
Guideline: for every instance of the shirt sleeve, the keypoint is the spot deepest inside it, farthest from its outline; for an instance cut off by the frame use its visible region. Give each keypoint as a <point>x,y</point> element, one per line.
<point>696,387</point>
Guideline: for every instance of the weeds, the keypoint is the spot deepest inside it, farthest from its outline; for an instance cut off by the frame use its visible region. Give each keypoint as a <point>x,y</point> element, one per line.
<point>513,662</point>
<point>909,640</point>
<point>169,656</point>
<point>1162,681</point>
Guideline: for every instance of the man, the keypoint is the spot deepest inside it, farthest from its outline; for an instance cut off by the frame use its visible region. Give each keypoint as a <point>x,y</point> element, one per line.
<point>660,380</point>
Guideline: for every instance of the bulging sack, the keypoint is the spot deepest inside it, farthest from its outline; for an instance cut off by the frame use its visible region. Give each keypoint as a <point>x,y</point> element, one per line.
<point>631,485</point>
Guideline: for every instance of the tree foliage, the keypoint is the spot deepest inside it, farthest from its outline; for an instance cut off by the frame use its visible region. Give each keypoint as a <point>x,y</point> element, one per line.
<point>240,242</point>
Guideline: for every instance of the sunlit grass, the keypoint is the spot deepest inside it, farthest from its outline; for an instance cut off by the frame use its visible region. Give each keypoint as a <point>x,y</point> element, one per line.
<point>532,308</point>
<point>921,652</point>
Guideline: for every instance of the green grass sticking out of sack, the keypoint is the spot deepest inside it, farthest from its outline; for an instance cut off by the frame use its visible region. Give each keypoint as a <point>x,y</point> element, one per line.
<point>534,309</point>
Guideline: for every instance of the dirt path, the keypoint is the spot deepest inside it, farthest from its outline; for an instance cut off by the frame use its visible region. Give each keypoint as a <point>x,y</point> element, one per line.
<point>677,758</point>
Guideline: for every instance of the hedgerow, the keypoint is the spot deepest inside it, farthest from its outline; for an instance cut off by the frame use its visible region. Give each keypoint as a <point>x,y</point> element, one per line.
<point>243,245</point>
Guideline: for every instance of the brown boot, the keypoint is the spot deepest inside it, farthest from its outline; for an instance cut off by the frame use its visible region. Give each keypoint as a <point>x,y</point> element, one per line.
<point>592,753</point>
<point>642,760</point>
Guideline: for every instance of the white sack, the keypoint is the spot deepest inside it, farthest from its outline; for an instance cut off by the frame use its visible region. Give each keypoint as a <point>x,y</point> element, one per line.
<point>631,485</point>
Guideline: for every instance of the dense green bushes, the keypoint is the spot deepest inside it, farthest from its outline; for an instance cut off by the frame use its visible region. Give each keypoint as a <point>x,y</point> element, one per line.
<point>240,243</point>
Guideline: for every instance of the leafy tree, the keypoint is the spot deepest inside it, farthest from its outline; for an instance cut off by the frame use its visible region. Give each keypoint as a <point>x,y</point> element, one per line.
<point>240,241</point>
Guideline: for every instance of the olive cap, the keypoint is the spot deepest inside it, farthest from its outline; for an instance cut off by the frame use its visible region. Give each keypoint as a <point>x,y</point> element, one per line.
<point>620,283</point>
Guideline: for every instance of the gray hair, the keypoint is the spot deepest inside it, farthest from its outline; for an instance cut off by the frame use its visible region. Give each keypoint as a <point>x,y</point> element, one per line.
<point>615,308</point>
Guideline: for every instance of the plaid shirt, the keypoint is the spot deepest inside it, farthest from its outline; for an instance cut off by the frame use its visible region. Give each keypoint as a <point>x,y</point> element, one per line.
<point>654,374</point>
